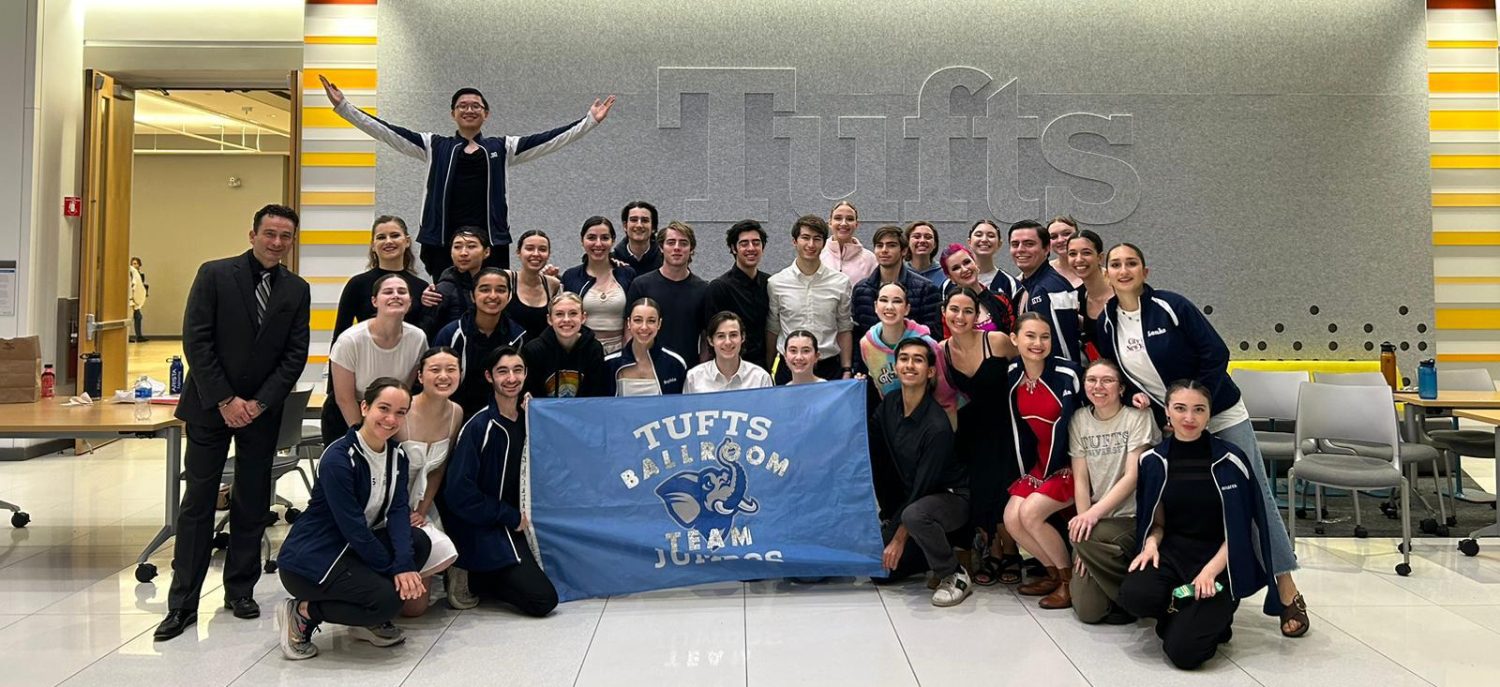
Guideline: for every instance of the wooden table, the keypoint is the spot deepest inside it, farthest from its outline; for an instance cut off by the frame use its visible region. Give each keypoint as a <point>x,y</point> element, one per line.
<point>1446,400</point>
<point>1490,417</point>
<point>51,420</point>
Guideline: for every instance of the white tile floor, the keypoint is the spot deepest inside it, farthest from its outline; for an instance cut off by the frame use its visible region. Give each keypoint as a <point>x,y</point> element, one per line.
<point>71,613</point>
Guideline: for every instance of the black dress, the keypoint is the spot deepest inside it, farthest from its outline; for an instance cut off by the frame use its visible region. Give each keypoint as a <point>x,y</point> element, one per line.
<point>984,438</point>
<point>531,318</point>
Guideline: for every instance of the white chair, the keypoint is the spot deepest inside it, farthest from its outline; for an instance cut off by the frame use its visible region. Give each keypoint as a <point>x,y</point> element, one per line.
<point>1271,397</point>
<point>1327,412</point>
<point>1413,454</point>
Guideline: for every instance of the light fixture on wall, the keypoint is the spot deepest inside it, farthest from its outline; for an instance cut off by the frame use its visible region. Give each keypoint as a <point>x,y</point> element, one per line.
<point>234,182</point>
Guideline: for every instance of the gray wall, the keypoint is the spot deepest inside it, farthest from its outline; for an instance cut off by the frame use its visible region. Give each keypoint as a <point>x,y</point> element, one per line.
<point>1268,157</point>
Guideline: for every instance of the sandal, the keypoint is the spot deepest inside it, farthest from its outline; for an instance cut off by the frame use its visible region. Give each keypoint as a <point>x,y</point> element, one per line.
<point>987,573</point>
<point>1010,569</point>
<point>1295,611</point>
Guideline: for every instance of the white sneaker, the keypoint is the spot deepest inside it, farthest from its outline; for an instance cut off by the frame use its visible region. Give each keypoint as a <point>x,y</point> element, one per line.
<point>456,583</point>
<point>382,635</point>
<point>953,589</point>
<point>296,632</point>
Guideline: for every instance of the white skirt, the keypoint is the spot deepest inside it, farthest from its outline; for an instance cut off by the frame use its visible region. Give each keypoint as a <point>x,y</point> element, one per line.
<point>443,551</point>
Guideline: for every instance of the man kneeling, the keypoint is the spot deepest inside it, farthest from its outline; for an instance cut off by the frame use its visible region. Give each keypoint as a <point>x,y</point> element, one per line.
<point>913,429</point>
<point>480,501</point>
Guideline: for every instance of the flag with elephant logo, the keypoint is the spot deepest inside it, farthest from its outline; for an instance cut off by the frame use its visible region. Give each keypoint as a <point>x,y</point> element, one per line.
<point>633,494</point>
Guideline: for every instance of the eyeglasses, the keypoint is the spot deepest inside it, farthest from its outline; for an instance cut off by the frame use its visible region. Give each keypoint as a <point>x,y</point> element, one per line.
<point>468,107</point>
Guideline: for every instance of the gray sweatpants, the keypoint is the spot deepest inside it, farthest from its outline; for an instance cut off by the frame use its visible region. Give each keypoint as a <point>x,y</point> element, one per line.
<point>928,521</point>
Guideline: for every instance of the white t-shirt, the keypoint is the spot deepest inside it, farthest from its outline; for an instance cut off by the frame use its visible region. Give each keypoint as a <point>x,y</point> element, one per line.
<point>355,350</point>
<point>1131,350</point>
<point>1104,445</point>
<point>1134,358</point>
<point>382,490</point>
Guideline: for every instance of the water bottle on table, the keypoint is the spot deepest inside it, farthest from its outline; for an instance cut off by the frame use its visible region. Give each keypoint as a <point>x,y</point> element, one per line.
<point>174,379</point>
<point>1427,379</point>
<point>143,398</point>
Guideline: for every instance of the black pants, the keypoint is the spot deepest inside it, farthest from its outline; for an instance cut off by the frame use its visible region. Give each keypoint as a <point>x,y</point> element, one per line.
<point>928,521</point>
<point>1192,630</point>
<point>136,315</point>
<point>522,585</point>
<point>828,368</point>
<point>439,258</point>
<point>353,594</point>
<point>332,421</point>
<point>249,502</point>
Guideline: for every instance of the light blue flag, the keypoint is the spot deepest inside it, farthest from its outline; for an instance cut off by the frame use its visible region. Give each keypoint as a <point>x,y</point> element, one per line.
<point>632,494</point>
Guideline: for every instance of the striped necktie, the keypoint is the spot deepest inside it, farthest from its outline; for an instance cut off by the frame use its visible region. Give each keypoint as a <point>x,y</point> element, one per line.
<point>262,296</point>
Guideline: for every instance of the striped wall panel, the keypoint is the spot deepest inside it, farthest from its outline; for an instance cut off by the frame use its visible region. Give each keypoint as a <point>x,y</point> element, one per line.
<point>1463,61</point>
<point>338,162</point>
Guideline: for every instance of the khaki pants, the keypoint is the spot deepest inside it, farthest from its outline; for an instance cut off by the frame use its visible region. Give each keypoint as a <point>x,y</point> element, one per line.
<point>1106,554</point>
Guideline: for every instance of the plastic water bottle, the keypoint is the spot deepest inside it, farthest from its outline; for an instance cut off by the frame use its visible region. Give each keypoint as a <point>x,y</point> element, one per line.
<point>174,379</point>
<point>143,399</point>
<point>49,381</point>
<point>1427,379</point>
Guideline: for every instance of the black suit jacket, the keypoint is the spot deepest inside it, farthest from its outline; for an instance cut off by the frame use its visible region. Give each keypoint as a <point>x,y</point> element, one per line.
<point>227,354</point>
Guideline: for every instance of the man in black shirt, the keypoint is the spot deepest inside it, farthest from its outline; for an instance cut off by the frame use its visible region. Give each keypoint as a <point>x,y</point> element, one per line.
<point>638,249</point>
<point>679,292</point>
<point>742,290</point>
<point>914,431</point>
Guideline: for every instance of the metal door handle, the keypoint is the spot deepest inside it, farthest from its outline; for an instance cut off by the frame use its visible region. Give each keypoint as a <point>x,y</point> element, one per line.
<point>92,326</point>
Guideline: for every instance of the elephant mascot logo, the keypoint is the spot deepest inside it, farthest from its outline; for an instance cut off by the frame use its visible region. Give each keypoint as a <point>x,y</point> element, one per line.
<point>708,499</point>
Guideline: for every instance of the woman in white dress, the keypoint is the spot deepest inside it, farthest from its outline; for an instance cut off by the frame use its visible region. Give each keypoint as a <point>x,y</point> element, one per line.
<point>431,428</point>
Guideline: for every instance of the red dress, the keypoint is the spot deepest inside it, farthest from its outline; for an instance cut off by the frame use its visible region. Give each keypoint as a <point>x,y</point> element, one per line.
<point>1041,411</point>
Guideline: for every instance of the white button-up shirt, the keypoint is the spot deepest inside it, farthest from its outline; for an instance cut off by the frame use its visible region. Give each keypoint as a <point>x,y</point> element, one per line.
<point>705,377</point>
<point>818,302</point>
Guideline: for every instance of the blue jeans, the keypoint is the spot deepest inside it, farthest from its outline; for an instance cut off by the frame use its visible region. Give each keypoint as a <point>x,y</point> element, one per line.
<point>1283,560</point>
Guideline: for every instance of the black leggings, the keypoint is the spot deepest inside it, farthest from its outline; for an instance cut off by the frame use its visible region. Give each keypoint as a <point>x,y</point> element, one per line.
<point>1192,632</point>
<point>353,594</point>
<point>522,585</point>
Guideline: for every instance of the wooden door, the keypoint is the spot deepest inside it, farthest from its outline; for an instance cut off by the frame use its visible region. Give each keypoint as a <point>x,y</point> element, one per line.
<point>104,256</point>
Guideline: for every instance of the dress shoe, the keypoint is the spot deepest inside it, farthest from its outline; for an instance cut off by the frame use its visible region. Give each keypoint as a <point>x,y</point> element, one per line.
<point>244,607</point>
<point>176,621</point>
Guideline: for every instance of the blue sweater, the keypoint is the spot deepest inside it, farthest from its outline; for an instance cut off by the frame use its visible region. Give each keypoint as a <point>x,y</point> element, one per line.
<point>480,500</point>
<point>671,369</point>
<point>1180,342</point>
<point>923,300</point>
<point>1246,525</point>
<point>439,151</point>
<point>1061,378</point>
<point>334,523</point>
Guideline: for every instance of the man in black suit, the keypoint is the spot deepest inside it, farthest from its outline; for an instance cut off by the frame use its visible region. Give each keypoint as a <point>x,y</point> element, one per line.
<point>245,334</point>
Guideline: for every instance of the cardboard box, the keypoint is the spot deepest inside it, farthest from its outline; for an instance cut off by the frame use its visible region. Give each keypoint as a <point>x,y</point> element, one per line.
<point>20,370</point>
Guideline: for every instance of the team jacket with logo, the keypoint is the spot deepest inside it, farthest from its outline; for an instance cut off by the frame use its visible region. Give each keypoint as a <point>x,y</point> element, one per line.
<point>670,368</point>
<point>482,491</point>
<point>1060,377</point>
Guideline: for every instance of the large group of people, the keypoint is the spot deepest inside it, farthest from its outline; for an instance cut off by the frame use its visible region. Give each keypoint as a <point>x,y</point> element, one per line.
<point>1012,412</point>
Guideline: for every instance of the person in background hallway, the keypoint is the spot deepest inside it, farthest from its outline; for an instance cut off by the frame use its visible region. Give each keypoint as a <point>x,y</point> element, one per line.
<point>1060,231</point>
<point>245,337</point>
<point>466,172</point>
<point>1188,347</point>
<point>742,289</point>
<point>383,346</point>
<point>842,251</point>
<point>600,284</point>
<point>354,557</point>
<point>390,253</point>
<point>481,501</point>
<point>1201,523</point>
<point>1106,440</point>
<point>678,292</point>
<point>534,288</point>
<point>915,433</point>
<point>638,250</point>
<point>139,290</point>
